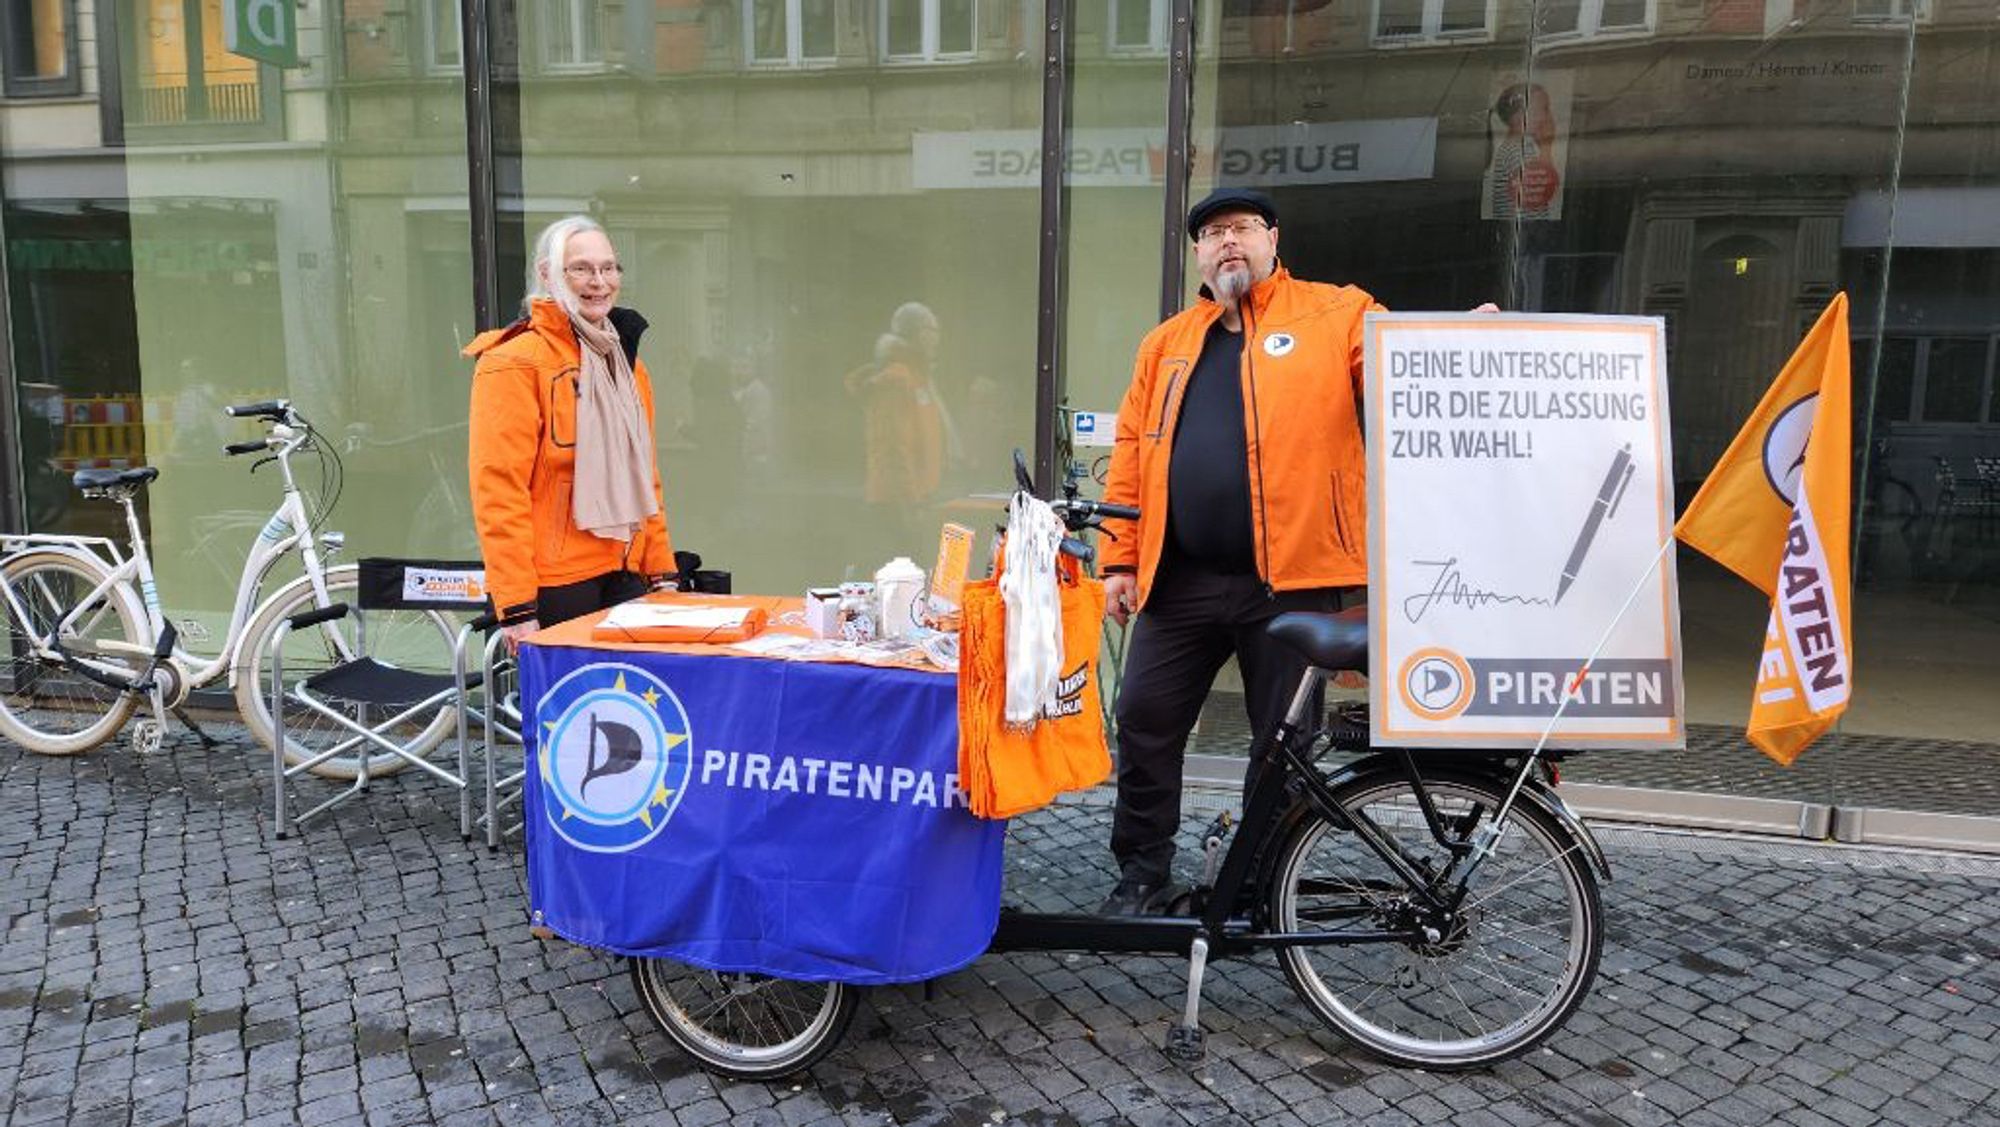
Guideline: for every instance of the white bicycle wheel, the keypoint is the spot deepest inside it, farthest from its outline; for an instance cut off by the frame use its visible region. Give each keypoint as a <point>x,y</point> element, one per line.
<point>47,706</point>
<point>747,1026</point>
<point>1507,966</point>
<point>420,640</point>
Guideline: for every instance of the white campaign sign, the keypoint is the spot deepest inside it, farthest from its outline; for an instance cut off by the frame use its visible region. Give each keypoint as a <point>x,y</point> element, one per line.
<point>1520,484</point>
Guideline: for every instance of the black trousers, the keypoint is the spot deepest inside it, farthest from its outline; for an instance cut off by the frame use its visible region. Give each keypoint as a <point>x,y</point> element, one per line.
<point>574,600</point>
<point>1193,621</point>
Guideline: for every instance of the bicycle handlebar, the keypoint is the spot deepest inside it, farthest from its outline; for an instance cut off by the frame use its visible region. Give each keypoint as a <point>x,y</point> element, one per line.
<point>251,447</point>
<point>1087,509</point>
<point>275,409</point>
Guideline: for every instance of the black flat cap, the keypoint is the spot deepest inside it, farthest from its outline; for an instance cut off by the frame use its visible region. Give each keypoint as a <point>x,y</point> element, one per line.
<point>1231,199</point>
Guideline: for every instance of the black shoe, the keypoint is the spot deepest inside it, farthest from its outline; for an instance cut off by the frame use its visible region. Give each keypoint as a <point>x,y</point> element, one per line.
<point>1129,897</point>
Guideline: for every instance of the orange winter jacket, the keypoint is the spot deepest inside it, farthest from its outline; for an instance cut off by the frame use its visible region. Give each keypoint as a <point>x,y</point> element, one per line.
<point>1301,375</point>
<point>523,460</point>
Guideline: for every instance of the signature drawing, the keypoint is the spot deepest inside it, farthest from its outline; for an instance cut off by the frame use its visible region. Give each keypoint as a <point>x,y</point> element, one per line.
<point>1448,586</point>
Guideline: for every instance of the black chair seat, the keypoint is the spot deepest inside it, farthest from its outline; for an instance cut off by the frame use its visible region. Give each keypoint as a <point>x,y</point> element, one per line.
<point>1328,641</point>
<point>367,681</point>
<point>104,479</point>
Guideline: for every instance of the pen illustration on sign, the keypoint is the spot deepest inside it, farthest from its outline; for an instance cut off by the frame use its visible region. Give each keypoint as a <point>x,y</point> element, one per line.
<point>1448,586</point>
<point>1602,508</point>
<point>622,751</point>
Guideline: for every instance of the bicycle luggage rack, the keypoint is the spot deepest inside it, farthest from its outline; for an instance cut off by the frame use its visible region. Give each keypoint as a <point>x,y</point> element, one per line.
<point>101,546</point>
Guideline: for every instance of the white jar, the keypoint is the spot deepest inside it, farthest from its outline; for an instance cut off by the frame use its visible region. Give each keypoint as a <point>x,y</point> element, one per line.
<point>897,585</point>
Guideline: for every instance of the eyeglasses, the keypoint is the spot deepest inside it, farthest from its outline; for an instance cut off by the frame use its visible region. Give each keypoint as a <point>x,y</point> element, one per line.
<point>1241,228</point>
<point>584,271</point>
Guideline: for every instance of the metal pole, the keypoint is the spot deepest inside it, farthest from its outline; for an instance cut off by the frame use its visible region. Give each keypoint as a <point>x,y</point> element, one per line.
<point>1054,253</point>
<point>1180,122</point>
<point>476,58</point>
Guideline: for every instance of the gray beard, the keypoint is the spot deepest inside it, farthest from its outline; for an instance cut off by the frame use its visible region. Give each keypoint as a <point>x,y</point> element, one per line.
<point>1231,285</point>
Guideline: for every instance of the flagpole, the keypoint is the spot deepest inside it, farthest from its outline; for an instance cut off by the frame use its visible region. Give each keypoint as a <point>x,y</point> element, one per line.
<point>1573,684</point>
<point>1489,834</point>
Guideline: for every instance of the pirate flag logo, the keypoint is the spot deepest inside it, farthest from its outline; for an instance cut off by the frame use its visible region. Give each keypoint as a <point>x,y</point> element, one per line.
<point>613,757</point>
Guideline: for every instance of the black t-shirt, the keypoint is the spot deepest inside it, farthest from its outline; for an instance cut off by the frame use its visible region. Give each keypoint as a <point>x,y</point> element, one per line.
<point>1208,478</point>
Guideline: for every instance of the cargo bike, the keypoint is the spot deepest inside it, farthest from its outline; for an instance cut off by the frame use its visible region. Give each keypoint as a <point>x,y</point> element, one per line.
<point>1437,907</point>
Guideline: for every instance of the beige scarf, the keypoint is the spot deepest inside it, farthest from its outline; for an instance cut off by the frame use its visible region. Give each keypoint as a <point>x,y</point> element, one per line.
<point>614,445</point>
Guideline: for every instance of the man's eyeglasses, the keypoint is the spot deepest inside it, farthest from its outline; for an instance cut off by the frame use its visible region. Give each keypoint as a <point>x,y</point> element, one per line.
<point>584,272</point>
<point>1241,228</point>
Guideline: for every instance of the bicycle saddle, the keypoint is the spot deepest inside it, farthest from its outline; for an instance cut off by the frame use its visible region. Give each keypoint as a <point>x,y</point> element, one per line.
<point>1329,641</point>
<point>105,479</point>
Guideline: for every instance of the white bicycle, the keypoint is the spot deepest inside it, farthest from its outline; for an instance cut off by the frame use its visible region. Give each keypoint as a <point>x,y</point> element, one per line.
<point>83,640</point>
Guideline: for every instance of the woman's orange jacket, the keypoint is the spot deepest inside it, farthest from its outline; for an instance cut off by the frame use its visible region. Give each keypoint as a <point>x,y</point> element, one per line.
<point>1301,375</point>
<point>523,461</point>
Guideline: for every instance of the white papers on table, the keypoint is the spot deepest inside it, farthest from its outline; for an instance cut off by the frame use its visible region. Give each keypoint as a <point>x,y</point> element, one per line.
<point>773,645</point>
<point>642,616</point>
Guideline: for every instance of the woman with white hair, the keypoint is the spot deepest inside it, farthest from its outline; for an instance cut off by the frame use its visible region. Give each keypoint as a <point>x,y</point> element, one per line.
<point>565,484</point>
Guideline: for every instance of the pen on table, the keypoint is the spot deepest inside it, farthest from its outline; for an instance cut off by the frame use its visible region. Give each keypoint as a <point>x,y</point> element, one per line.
<point>1605,504</point>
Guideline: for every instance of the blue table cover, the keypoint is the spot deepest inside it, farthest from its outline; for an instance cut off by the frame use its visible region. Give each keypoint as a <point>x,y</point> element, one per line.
<point>797,819</point>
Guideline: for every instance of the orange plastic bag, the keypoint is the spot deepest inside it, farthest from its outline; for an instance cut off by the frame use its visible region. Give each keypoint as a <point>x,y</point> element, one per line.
<point>1007,771</point>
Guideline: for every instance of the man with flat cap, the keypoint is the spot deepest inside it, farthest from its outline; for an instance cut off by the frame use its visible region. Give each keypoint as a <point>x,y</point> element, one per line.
<point>1240,442</point>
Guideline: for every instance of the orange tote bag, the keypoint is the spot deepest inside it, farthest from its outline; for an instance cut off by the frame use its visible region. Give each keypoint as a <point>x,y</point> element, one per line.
<point>1007,770</point>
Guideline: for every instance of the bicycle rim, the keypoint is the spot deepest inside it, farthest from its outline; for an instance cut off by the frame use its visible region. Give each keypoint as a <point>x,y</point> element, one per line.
<point>747,1026</point>
<point>1513,965</point>
<point>45,706</point>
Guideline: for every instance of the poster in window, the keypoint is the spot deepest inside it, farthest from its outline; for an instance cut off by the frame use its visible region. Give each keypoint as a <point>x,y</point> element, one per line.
<point>1527,146</point>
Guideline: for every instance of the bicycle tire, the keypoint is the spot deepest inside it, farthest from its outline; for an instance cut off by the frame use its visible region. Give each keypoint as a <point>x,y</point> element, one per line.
<point>1510,972</point>
<point>44,706</point>
<point>744,1026</point>
<point>403,637</point>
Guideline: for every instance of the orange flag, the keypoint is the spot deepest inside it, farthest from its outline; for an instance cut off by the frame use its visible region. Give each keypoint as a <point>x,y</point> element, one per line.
<point>1775,511</point>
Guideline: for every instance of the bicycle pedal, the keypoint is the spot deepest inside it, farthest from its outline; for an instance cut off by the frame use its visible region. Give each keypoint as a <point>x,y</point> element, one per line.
<point>1187,1043</point>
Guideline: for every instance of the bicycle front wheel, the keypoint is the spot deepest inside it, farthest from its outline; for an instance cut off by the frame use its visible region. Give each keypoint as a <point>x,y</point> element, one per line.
<point>408,639</point>
<point>748,1026</point>
<point>47,705</point>
<point>1508,967</point>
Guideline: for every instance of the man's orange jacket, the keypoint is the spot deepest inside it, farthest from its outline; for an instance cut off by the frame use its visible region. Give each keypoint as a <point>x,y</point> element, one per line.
<point>1301,376</point>
<point>523,461</point>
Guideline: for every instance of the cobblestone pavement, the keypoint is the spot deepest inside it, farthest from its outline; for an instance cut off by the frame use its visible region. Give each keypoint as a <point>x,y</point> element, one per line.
<point>164,961</point>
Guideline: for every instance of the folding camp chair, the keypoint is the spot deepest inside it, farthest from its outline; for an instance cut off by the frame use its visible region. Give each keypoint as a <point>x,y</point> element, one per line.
<point>371,697</point>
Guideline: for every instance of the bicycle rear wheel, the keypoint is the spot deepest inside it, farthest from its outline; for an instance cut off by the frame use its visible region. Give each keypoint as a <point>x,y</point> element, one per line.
<point>45,705</point>
<point>748,1026</point>
<point>1510,967</point>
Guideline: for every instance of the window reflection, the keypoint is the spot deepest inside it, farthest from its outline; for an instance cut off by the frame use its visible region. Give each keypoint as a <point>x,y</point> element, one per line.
<point>1418,21</point>
<point>39,52</point>
<point>571,37</point>
<point>1890,11</point>
<point>1139,25</point>
<point>442,33</point>
<point>1583,19</point>
<point>1956,374</point>
<point>791,32</point>
<point>185,75</point>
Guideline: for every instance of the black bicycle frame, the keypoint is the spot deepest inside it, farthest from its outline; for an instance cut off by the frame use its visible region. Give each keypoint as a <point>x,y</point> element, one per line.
<point>1288,781</point>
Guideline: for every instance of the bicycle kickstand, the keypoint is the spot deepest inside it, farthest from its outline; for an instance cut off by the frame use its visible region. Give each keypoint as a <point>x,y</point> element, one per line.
<point>207,741</point>
<point>1186,1042</point>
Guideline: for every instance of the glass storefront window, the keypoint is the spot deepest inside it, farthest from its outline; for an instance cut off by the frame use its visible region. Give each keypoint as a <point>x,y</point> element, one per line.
<point>838,267</point>
<point>320,255</point>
